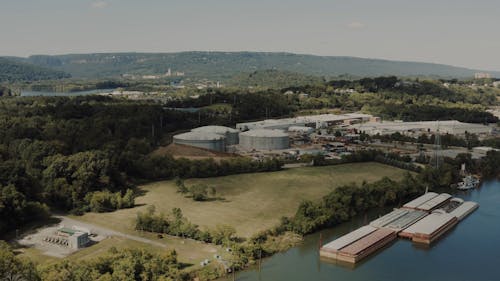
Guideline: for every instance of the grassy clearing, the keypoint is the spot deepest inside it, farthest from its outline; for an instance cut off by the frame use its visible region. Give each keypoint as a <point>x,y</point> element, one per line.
<point>253,202</point>
<point>189,252</point>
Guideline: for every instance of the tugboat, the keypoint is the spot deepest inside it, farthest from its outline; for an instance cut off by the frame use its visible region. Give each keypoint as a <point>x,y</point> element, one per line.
<point>468,182</point>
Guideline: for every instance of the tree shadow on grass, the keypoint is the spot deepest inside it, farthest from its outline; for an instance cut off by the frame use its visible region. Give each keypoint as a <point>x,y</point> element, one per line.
<point>30,228</point>
<point>209,199</point>
<point>140,192</point>
<point>183,265</point>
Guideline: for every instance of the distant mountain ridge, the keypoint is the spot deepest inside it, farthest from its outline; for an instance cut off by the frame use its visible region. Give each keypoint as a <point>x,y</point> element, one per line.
<point>220,65</point>
<point>13,70</point>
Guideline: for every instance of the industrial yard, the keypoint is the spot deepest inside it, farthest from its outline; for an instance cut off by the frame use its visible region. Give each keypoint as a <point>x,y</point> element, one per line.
<point>331,135</point>
<point>423,220</point>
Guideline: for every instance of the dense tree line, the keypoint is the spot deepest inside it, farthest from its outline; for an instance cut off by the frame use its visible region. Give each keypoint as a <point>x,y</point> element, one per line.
<point>246,105</point>
<point>115,265</point>
<point>164,167</point>
<point>58,151</point>
<point>469,140</point>
<point>11,71</point>
<point>346,201</point>
<point>388,97</point>
<point>367,155</point>
<point>177,225</point>
<point>5,91</point>
<point>105,201</point>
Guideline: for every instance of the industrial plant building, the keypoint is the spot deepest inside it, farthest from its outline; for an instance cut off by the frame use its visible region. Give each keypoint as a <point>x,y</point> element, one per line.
<point>209,137</point>
<point>218,138</point>
<point>415,129</point>
<point>205,140</point>
<point>68,238</point>
<point>314,121</point>
<point>230,134</point>
<point>304,132</point>
<point>264,139</point>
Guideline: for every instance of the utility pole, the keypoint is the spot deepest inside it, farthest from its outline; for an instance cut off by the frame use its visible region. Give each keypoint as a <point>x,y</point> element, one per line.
<point>260,259</point>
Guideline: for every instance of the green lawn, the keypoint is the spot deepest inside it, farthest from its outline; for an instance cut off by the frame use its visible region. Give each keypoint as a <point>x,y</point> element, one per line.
<point>253,202</point>
<point>188,251</point>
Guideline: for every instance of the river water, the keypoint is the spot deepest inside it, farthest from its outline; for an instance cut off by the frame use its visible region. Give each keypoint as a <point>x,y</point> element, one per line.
<point>469,252</point>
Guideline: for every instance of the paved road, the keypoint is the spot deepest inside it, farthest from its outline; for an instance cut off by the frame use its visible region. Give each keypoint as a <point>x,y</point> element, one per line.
<point>106,231</point>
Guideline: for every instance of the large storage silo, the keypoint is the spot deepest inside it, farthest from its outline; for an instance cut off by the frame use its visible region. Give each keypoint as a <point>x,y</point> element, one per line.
<point>210,141</point>
<point>263,139</point>
<point>230,133</point>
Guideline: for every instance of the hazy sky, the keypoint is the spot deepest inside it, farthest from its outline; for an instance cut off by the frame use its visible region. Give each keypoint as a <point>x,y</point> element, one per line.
<point>457,32</point>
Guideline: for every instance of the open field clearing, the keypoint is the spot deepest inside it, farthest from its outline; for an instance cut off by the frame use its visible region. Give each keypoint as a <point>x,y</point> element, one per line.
<point>188,251</point>
<point>252,202</point>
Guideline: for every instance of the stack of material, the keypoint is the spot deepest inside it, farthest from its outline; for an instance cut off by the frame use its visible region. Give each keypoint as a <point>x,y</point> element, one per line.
<point>366,245</point>
<point>435,202</point>
<point>420,200</point>
<point>430,228</point>
<point>464,210</point>
<point>358,244</point>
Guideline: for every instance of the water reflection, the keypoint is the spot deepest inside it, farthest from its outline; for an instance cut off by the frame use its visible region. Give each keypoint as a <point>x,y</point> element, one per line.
<point>470,251</point>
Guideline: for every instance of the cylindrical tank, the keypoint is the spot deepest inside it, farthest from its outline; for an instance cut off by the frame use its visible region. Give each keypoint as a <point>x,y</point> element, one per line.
<point>230,133</point>
<point>263,139</point>
<point>210,141</point>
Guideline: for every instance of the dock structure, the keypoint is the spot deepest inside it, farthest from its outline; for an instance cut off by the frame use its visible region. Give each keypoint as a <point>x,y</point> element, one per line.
<point>464,210</point>
<point>434,203</point>
<point>430,228</point>
<point>366,245</point>
<point>420,200</point>
<point>332,249</point>
<point>405,221</point>
<point>389,218</point>
<point>358,244</point>
<point>422,220</point>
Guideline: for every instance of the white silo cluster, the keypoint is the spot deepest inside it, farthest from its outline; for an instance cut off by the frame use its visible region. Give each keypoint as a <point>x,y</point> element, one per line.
<point>209,137</point>
<point>264,139</point>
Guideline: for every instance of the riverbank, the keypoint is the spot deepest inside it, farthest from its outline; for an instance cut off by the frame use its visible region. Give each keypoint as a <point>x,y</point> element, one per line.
<point>401,260</point>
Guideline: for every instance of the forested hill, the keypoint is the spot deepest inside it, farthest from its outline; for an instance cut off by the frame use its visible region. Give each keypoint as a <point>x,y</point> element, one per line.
<point>220,65</point>
<point>11,71</point>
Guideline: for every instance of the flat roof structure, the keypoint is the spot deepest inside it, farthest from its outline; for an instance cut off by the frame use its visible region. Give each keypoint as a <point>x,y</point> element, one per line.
<point>434,202</point>
<point>367,241</point>
<point>464,210</point>
<point>285,123</point>
<point>66,230</point>
<point>406,220</point>
<point>420,220</point>
<point>420,200</point>
<point>453,127</point>
<point>389,218</point>
<point>366,245</point>
<point>349,238</point>
<point>430,228</point>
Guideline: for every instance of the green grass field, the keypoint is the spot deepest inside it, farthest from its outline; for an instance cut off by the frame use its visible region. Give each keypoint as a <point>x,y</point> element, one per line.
<point>188,251</point>
<point>253,202</point>
<point>88,253</point>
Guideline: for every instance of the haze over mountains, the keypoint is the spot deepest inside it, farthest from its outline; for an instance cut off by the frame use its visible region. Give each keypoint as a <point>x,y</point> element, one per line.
<point>221,65</point>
